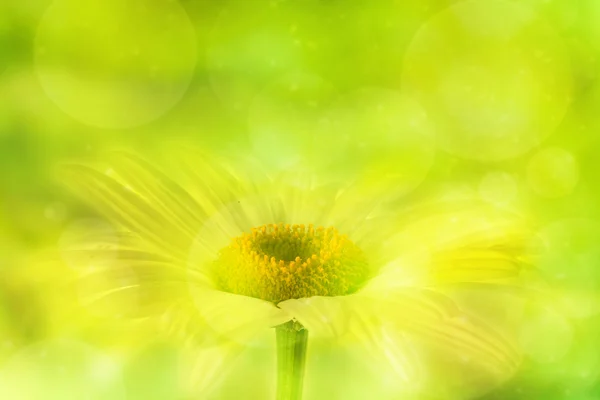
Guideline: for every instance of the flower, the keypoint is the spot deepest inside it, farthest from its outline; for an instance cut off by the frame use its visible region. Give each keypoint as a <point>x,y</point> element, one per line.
<point>238,251</point>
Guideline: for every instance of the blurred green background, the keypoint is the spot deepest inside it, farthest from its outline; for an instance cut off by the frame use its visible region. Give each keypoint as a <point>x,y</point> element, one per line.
<point>508,91</point>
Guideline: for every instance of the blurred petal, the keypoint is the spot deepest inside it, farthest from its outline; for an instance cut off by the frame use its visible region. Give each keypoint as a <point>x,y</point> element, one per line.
<point>492,264</point>
<point>213,181</point>
<point>404,329</point>
<point>237,318</point>
<point>142,199</point>
<point>121,204</point>
<point>160,191</point>
<point>325,317</point>
<point>125,280</point>
<point>437,321</point>
<point>116,274</point>
<point>454,242</point>
<point>351,320</point>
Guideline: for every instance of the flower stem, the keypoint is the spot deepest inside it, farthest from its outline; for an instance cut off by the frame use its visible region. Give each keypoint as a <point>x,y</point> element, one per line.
<point>292,340</point>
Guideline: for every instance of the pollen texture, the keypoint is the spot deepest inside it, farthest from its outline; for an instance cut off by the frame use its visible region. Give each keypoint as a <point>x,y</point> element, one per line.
<point>277,262</point>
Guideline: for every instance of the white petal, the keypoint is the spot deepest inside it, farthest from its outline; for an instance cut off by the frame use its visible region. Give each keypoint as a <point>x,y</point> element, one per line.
<point>127,208</point>
<point>324,317</point>
<point>436,321</point>
<point>456,242</point>
<point>352,321</point>
<point>235,317</point>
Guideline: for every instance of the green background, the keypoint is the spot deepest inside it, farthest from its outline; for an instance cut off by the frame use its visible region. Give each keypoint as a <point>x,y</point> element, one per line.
<point>510,90</point>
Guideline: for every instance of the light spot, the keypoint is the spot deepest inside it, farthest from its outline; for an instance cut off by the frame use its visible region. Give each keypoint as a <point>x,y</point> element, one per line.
<point>568,256</point>
<point>59,369</point>
<point>55,211</point>
<point>388,136</point>
<point>553,172</point>
<point>498,188</point>
<point>249,47</point>
<point>97,79</point>
<point>547,336</point>
<point>461,65</point>
<point>283,123</point>
<point>570,252</point>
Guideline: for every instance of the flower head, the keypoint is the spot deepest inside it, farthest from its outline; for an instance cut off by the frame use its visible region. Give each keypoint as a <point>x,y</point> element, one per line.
<point>245,252</point>
<point>277,262</point>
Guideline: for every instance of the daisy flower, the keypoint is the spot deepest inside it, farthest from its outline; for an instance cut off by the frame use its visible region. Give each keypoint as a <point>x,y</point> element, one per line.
<point>238,251</point>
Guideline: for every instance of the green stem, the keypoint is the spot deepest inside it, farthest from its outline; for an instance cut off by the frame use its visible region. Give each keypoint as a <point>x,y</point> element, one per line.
<point>292,340</point>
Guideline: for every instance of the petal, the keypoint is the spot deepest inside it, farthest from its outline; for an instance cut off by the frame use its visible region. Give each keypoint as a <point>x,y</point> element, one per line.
<point>350,321</point>
<point>228,222</point>
<point>449,224</point>
<point>212,181</point>
<point>133,287</point>
<point>405,271</point>
<point>459,242</point>
<point>493,264</point>
<point>145,201</point>
<point>498,306</point>
<point>408,331</point>
<point>435,319</point>
<point>272,203</point>
<point>165,195</point>
<point>117,275</point>
<point>324,317</point>
<point>129,209</point>
<point>236,318</point>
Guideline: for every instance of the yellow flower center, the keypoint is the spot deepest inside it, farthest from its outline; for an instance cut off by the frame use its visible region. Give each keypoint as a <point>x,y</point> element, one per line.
<point>277,262</point>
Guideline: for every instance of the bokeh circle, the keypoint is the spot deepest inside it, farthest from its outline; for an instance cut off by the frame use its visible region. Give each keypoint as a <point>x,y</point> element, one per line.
<point>249,46</point>
<point>493,74</point>
<point>547,336</point>
<point>553,172</point>
<point>115,64</point>
<point>498,188</point>
<point>386,139</point>
<point>568,259</point>
<point>61,370</point>
<point>283,121</point>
